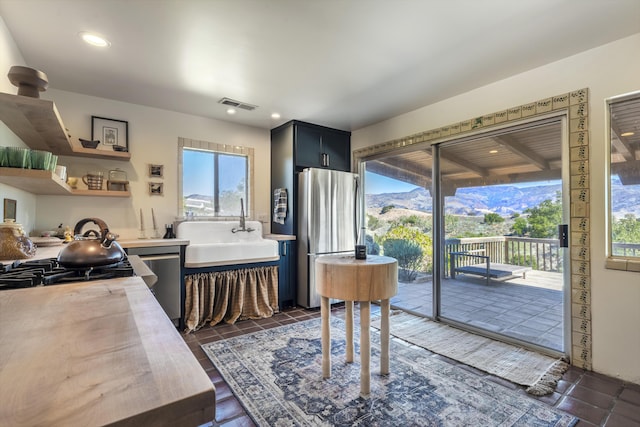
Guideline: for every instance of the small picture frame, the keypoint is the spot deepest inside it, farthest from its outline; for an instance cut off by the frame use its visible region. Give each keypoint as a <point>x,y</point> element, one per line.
<point>156,171</point>
<point>112,134</point>
<point>9,209</point>
<point>156,189</point>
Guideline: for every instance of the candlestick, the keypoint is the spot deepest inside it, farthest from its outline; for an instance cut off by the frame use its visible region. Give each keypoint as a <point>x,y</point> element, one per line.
<point>142,235</point>
<point>153,218</point>
<point>156,233</point>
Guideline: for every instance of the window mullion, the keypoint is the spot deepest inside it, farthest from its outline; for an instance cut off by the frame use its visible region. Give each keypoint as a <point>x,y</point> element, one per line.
<point>216,184</point>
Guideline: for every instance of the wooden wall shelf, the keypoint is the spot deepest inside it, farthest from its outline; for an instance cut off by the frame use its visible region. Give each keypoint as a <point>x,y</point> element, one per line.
<point>101,193</point>
<point>43,182</point>
<point>38,124</point>
<point>34,181</point>
<point>99,154</point>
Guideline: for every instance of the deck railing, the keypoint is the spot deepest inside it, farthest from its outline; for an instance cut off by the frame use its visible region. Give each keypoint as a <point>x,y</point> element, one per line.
<point>539,254</point>
<point>626,249</point>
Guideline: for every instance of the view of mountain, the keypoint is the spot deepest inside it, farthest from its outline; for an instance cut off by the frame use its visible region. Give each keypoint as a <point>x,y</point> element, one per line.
<point>502,199</point>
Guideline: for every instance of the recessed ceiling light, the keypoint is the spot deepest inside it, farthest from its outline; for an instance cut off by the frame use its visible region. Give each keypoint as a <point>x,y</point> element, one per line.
<point>628,134</point>
<point>94,40</point>
<point>493,151</point>
<point>231,110</point>
<point>275,115</point>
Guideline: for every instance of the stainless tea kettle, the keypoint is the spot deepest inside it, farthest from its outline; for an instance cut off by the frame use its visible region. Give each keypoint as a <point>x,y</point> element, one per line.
<point>86,251</point>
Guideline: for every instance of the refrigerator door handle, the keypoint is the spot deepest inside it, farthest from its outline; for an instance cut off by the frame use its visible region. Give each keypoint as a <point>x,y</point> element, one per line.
<point>356,221</point>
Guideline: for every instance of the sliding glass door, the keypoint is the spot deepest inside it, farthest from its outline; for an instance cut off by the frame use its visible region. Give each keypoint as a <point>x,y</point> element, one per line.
<point>503,262</point>
<point>479,246</point>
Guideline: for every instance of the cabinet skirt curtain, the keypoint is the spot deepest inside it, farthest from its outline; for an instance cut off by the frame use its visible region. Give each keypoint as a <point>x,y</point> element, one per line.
<point>213,297</point>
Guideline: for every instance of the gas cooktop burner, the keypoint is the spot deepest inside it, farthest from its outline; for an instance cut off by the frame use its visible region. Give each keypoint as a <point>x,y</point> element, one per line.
<point>26,274</point>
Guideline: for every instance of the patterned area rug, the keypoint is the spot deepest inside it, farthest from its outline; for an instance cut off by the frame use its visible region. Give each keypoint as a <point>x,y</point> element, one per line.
<point>538,372</point>
<point>277,375</point>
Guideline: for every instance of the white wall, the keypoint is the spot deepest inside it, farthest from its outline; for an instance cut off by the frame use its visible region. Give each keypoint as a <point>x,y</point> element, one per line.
<point>25,202</point>
<point>153,138</point>
<point>607,71</point>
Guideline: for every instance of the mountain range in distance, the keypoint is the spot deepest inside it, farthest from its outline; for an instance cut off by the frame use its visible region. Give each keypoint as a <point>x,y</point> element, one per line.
<point>505,200</point>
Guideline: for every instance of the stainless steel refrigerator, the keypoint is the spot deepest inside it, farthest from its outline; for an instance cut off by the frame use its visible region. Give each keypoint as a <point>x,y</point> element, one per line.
<point>328,222</point>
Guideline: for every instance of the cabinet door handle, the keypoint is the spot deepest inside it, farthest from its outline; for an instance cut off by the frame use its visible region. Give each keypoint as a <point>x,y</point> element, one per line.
<point>325,160</point>
<point>284,249</point>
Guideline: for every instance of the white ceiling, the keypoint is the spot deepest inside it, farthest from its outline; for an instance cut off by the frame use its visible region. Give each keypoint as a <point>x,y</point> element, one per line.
<point>339,63</point>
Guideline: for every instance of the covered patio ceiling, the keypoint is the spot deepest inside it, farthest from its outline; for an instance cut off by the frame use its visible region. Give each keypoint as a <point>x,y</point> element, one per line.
<point>522,155</point>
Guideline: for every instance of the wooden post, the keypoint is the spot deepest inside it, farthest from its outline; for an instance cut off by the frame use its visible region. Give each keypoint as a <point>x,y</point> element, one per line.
<point>325,314</point>
<point>385,306</point>
<point>365,347</point>
<point>349,337</point>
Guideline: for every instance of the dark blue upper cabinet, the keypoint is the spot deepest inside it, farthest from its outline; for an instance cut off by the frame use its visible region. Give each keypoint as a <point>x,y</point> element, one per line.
<point>316,146</point>
<point>321,147</point>
<point>296,145</point>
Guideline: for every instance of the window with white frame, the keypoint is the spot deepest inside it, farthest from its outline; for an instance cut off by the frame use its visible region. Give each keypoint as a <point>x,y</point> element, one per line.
<point>215,179</point>
<point>624,176</point>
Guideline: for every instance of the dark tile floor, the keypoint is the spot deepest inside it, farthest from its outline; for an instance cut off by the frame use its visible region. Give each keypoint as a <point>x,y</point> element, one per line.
<point>597,400</point>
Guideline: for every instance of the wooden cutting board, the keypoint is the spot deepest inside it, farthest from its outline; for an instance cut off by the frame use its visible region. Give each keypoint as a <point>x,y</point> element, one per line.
<point>96,353</point>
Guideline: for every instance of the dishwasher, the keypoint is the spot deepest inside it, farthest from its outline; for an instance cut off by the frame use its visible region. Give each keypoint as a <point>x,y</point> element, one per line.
<point>164,261</point>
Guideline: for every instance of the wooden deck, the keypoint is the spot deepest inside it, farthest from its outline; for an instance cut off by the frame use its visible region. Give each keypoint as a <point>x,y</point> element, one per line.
<point>517,307</point>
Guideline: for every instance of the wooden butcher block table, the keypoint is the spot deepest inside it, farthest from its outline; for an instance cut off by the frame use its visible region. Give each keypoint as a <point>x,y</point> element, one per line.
<point>346,278</point>
<point>96,353</point>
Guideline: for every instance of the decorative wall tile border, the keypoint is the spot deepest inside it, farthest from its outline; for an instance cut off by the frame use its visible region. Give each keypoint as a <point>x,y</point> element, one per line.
<point>576,104</point>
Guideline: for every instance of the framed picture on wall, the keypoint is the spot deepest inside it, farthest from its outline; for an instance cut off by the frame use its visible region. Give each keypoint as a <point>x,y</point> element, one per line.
<point>156,189</point>
<point>112,134</point>
<point>9,209</point>
<point>156,171</point>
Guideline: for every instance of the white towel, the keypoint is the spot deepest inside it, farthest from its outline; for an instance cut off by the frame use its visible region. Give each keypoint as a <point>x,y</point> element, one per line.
<point>279,205</point>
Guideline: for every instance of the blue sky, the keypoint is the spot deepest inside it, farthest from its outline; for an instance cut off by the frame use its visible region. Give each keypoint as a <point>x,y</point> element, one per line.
<point>198,172</point>
<point>378,184</point>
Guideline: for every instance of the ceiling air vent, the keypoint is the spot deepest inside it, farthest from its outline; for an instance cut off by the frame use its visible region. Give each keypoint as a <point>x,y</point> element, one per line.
<point>237,104</point>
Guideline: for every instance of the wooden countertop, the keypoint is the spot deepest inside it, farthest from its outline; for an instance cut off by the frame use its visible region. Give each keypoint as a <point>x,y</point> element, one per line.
<point>96,353</point>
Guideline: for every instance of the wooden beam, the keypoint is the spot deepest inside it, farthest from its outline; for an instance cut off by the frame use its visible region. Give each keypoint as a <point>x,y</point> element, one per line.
<point>628,172</point>
<point>511,144</point>
<point>389,169</point>
<point>621,144</point>
<point>508,178</point>
<point>462,163</point>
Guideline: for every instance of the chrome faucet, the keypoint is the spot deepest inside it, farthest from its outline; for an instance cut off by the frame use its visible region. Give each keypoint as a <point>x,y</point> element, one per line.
<point>242,221</point>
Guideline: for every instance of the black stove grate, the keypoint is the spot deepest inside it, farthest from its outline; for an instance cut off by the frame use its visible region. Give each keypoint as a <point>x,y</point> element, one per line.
<point>26,274</point>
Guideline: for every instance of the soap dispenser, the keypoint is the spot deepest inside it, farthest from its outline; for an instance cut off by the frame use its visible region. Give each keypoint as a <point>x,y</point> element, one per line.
<point>169,234</point>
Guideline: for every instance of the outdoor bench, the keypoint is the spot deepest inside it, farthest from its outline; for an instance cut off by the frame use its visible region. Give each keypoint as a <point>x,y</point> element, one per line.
<point>484,267</point>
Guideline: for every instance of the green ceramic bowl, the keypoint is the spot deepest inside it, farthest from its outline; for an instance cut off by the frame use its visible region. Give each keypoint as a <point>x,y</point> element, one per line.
<point>40,159</point>
<point>18,157</point>
<point>53,163</point>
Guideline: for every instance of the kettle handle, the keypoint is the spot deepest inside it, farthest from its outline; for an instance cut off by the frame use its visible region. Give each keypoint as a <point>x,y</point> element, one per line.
<point>90,232</point>
<point>100,223</point>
